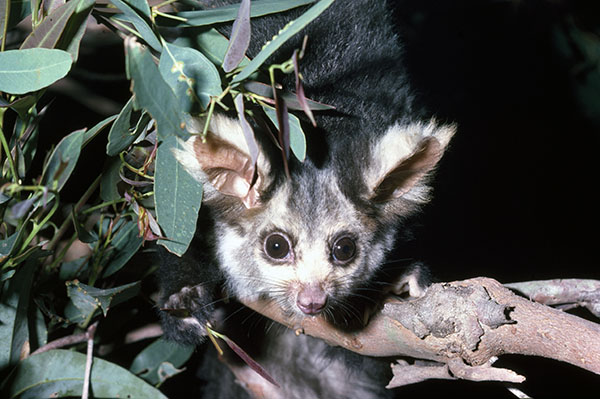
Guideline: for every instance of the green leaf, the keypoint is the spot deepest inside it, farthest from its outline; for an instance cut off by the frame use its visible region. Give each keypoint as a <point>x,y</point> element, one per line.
<point>19,9</point>
<point>128,126</point>
<point>98,128</point>
<point>148,362</point>
<point>152,93</point>
<point>210,43</point>
<point>7,245</point>
<point>60,373</point>
<point>140,24</point>
<point>63,28</point>
<point>23,71</point>
<point>141,6</point>
<point>87,299</point>
<point>297,138</point>
<point>166,370</point>
<point>124,245</point>
<point>192,77</point>
<point>19,323</point>
<point>229,12</point>
<point>73,269</point>
<point>110,179</point>
<point>63,160</point>
<point>284,34</point>
<point>177,196</point>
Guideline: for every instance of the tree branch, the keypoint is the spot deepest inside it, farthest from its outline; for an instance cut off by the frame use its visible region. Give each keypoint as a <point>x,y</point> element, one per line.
<point>464,325</point>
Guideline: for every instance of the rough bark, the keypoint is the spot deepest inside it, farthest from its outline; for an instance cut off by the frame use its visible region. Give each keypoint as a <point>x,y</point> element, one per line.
<point>463,326</point>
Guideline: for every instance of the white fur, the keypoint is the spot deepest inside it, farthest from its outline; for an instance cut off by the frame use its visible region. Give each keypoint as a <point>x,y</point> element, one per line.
<point>226,129</point>
<point>397,144</point>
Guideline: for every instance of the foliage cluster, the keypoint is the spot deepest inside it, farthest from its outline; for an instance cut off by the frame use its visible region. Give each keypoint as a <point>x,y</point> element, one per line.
<point>65,267</point>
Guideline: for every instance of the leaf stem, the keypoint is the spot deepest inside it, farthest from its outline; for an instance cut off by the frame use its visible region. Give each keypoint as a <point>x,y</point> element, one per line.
<point>211,335</point>
<point>165,3</point>
<point>11,161</point>
<point>5,27</point>
<point>37,227</point>
<point>169,16</point>
<point>65,224</point>
<point>133,169</point>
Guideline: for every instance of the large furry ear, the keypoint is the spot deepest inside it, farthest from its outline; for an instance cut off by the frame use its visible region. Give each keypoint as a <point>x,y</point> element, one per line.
<point>222,162</point>
<point>402,159</point>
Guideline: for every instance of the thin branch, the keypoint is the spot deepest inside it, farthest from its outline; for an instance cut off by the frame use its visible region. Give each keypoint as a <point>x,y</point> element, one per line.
<point>61,343</point>
<point>89,359</point>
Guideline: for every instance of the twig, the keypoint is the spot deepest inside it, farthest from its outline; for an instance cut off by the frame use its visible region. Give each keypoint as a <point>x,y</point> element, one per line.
<point>88,362</point>
<point>61,343</point>
<point>150,331</point>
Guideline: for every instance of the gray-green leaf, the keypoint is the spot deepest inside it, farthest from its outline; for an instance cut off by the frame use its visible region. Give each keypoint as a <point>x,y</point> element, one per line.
<point>229,12</point>
<point>60,373</point>
<point>63,28</point>
<point>177,196</point>
<point>286,32</point>
<point>191,76</point>
<point>152,93</point>
<point>63,159</point>
<point>87,299</point>
<point>23,71</point>
<point>126,129</point>
<point>131,15</point>
<point>149,361</point>
<point>297,138</point>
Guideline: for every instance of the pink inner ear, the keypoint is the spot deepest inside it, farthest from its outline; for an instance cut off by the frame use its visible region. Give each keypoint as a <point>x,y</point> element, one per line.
<point>409,171</point>
<point>229,170</point>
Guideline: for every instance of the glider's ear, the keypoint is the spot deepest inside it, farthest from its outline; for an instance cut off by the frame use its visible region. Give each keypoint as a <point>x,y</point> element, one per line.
<point>403,158</point>
<point>221,161</point>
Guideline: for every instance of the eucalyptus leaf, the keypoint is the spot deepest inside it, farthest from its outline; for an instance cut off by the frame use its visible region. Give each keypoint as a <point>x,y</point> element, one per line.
<point>240,38</point>
<point>140,6</point>
<point>7,245</point>
<point>82,234</point>
<point>286,33</point>
<point>191,76</point>
<point>20,324</point>
<point>24,71</point>
<point>152,93</point>
<point>19,9</point>
<point>229,12</point>
<point>212,44</point>
<point>246,128</point>
<point>127,127</point>
<point>62,162</point>
<point>60,373</point>
<point>131,15</point>
<point>291,99</point>
<point>88,299</point>
<point>73,269</point>
<point>125,243</point>
<point>167,370</point>
<point>63,28</point>
<point>6,276</point>
<point>110,179</point>
<point>297,138</point>
<point>148,362</point>
<point>177,197</point>
<point>97,129</point>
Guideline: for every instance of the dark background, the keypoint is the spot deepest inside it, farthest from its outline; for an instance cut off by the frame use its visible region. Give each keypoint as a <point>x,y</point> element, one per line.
<point>515,196</point>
